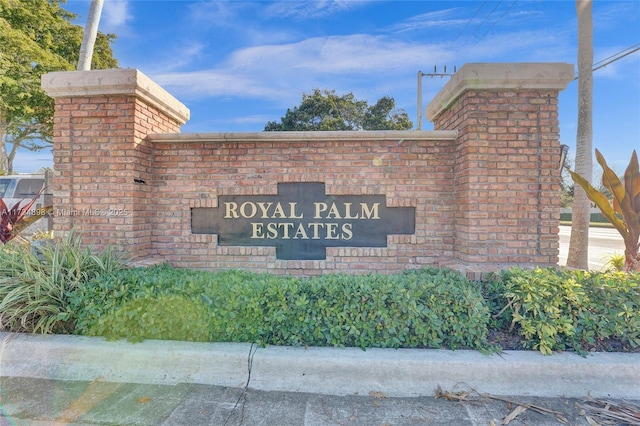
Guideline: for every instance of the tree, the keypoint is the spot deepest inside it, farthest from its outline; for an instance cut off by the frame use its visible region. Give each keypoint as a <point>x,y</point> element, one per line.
<point>581,212</point>
<point>325,110</point>
<point>566,196</point>
<point>90,35</point>
<point>36,37</point>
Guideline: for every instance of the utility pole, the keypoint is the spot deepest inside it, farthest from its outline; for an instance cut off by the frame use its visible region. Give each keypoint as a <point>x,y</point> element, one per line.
<point>419,126</point>
<point>435,73</point>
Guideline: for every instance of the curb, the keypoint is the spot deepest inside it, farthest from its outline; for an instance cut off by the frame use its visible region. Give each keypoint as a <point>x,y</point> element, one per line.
<point>331,371</point>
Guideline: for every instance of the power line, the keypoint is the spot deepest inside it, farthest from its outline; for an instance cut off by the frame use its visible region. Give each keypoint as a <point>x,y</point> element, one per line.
<point>615,54</point>
<point>467,24</point>
<point>485,18</point>
<point>613,58</point>
<point>499,18</point>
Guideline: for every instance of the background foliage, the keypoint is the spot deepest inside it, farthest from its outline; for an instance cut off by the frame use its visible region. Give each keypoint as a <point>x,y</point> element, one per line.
<point>324,110</point>
<point>36,37</point>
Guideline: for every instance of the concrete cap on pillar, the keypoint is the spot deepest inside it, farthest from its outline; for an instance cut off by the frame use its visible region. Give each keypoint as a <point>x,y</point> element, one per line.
<point>127,82</point>
<point>501,76</point>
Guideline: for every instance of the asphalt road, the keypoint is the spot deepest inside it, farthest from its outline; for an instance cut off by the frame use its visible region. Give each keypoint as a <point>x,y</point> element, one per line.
<point>603,242</point>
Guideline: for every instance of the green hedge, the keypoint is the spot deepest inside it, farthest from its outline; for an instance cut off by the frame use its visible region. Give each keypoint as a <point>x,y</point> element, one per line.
<point>561,309</point>
<point>551,309</point>
<point>594,218</point>
<point>426,308</point>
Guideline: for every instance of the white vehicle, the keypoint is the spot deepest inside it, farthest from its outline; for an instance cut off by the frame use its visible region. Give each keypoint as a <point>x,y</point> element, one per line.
<point>22,188</point>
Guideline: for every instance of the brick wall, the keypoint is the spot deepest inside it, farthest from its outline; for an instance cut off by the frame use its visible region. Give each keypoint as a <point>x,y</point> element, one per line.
<point>484,184</point>
<point>507,178</point>
<point>194,173</point>
<point>100,151</point>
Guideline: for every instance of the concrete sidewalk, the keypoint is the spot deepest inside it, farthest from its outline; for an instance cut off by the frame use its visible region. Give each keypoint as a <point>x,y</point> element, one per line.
<point>44,402</point>
<point>82,380</point>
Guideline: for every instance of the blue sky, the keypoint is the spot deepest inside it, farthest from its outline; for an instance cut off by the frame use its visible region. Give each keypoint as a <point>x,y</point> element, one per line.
<point>237,65</point>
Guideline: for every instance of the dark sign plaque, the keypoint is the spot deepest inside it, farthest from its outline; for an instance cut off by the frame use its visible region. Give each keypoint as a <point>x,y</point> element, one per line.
<point>301,221</point>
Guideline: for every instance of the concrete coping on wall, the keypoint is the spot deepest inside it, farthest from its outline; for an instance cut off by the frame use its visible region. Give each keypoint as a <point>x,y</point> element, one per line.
<point>328,136</point>
<point>124,82</point>
<point>501,76</point>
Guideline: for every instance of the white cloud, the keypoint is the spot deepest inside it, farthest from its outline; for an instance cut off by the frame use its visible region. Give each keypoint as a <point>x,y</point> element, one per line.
<point>610,15</point>
<point>310,9</point>
<point>241,21</point>
<point>438,19</point>
<point>179,58</point>
<point>296,67</point>
<point>215,82</point>
<point>281,72</point>
<point>217,13</point>
<point>358,53</point>
<point>115,14</point>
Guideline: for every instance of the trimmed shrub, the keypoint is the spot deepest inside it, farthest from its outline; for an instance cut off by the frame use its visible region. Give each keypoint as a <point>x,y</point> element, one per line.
<point>562,309</point>
<point>427,308</point>
<point>168,317</point>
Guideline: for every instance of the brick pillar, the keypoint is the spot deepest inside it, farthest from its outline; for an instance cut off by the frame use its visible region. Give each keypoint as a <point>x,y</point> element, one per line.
<point>507,177</point>
<point>102,161</point>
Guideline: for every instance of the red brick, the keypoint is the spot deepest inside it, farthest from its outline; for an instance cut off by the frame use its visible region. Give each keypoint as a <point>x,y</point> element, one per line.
<point>470,195</point>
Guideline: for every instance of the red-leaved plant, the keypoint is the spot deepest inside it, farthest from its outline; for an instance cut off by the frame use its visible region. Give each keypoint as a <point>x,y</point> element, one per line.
<point>15,219</point>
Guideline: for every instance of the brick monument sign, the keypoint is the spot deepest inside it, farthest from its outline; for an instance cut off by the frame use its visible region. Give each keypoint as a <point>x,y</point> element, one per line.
<point>478,193</point>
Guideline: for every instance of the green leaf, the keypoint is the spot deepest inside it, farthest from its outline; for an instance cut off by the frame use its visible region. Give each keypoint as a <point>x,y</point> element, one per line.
<point>602,202</point>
